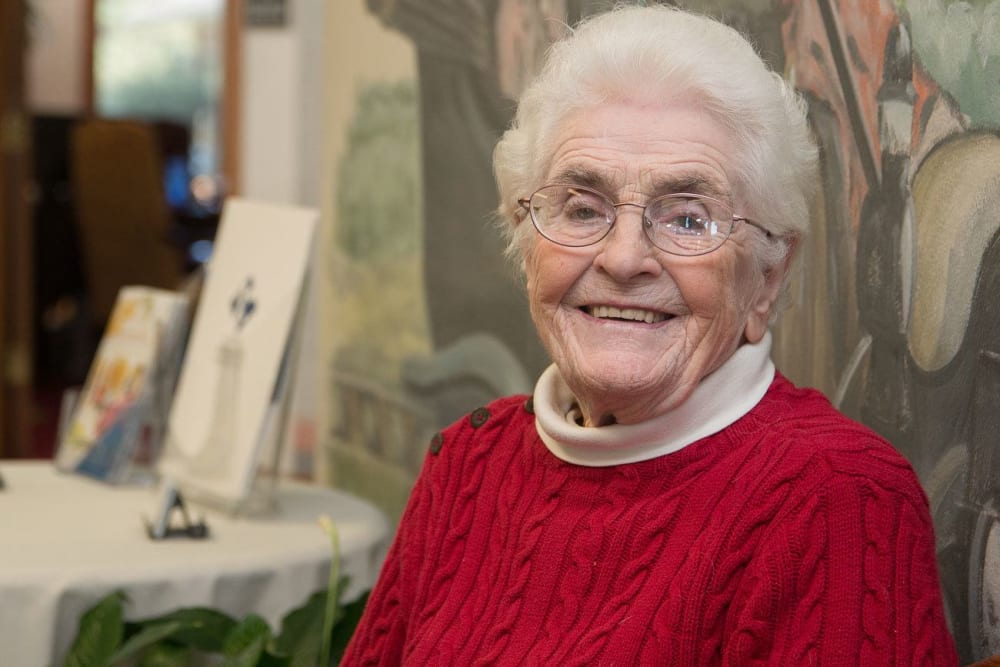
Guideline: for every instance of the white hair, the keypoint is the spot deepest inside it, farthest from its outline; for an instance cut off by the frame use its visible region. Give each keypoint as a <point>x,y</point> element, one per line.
<point>658,55</point>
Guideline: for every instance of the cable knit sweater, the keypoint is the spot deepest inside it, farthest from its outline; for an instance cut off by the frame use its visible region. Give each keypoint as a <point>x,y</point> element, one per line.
<point>794,536</point>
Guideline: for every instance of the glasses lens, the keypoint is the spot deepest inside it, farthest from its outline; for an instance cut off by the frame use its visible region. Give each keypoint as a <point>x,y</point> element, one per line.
<point>571,215</point>
<point>688,224</point>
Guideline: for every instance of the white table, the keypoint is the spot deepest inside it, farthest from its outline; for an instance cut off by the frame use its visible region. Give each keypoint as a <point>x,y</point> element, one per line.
<point>66,541</point>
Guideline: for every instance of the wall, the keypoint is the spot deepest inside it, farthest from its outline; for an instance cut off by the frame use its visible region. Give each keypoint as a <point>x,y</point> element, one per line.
<point>281,93</point>
<point>892,310</point>
<point>281,109</point>
<point>55,59</point>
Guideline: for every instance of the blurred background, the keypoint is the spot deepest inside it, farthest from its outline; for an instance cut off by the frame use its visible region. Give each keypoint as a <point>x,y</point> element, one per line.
<point>125,123</point>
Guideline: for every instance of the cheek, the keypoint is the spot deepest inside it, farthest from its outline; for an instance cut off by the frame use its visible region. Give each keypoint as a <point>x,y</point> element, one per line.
<point>720,289</point>
<point>550,274</point>
<point>744,284</point>
<point>541,290</point>
<point>747,281</point>
<point>534,276</point>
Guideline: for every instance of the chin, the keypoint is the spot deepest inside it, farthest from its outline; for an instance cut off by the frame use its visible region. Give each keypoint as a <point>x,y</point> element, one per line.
<point>619,374</point>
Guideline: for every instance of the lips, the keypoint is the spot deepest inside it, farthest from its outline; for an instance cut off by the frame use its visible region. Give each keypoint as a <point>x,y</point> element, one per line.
<point>626,314</point>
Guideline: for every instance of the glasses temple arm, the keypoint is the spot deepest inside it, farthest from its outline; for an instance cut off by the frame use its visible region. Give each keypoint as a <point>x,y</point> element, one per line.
<point>759,226</point>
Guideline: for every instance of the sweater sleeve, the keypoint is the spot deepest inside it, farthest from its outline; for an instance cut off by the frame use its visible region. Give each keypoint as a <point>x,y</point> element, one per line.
<point>381,634</point>
<point>848,577</point>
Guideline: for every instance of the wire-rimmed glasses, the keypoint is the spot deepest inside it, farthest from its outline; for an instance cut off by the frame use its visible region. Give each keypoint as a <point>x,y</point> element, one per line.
<point>678,223</point>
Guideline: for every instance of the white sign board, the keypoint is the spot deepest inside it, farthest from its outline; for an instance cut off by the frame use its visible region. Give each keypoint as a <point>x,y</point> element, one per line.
<point>241,331</point>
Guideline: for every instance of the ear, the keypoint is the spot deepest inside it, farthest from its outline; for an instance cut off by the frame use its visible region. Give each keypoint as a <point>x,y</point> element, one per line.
<point>759,315</point>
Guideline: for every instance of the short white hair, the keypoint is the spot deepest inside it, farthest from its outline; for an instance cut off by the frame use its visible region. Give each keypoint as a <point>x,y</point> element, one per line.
<point>657,55</point>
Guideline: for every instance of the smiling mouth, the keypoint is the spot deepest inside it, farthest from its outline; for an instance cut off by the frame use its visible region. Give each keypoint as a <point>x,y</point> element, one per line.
<point>626,314</point>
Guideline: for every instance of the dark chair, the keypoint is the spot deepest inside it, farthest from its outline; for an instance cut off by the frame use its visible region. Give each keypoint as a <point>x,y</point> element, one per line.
<point>124,220</point>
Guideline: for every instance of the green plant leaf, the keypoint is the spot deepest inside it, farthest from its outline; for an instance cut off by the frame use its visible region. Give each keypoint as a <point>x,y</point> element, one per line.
<point>199,627</point>
<point>101,630</point>
<point>302,632</point>
<point>245,643</point>
<point>344,629</point>
<point>146,637</point>
<point>249,656</point>
<point>165,654</point>
<point>268,659</point>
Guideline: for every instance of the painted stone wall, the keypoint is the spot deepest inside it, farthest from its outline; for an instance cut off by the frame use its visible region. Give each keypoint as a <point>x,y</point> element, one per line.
<point>892,313</point>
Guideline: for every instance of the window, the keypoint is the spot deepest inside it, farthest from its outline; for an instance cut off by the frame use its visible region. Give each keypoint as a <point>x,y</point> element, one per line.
<point>165,61</point>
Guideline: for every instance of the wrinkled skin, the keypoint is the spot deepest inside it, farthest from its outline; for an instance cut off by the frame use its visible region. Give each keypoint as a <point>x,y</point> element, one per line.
<point>630,371</point>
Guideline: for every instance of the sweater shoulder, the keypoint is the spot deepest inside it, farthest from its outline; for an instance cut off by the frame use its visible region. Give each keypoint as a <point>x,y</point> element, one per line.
<point>501,421</point>
<point>810,432</point>
<point>503,411</point>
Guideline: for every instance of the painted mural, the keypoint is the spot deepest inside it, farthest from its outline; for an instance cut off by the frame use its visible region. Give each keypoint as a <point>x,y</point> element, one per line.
<point>893,312</point>
<point>895,315</point>
<point>374,263</point>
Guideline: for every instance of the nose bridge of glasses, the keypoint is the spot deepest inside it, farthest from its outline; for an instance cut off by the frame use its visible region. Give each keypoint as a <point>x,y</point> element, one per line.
<point>645,223</point>
<point>641,210</point>
<point>617,205</point>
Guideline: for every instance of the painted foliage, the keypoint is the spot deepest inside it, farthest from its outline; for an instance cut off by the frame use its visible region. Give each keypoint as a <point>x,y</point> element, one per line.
<point>891,311</point>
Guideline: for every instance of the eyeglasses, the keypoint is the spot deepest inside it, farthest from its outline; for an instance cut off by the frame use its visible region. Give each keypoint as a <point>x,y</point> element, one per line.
<point>680,224</point>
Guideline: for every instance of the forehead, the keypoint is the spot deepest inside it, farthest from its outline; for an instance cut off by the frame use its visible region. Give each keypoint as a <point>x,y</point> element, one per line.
<point>630,148</point>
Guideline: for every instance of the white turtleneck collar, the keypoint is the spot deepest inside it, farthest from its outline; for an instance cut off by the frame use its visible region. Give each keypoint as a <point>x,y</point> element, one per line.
<point>719,400</point>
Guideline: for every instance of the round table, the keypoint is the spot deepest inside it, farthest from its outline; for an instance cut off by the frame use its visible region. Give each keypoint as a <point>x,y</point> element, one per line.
<point>67,540</point>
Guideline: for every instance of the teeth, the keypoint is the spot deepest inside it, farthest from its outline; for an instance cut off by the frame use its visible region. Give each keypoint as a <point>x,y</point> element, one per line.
<point>634,314</point>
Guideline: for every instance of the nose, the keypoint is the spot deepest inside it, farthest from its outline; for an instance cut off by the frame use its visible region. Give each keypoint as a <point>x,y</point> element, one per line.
<point>626,252</point>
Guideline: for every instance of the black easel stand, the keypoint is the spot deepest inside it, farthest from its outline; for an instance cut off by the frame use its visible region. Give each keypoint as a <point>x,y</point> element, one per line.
<point>164,528</point>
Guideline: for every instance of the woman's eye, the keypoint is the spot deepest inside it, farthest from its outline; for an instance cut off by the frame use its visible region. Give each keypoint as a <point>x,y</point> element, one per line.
<point>582,211</point>
<point>686,223</point>
<point>690,222</point>
<point>684,217</point>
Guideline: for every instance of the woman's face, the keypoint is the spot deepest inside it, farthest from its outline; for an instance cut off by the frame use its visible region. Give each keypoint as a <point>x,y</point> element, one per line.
<point>628,370</point>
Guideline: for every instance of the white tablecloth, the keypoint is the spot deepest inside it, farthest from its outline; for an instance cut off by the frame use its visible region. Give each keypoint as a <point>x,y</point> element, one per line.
<point>66,541</point>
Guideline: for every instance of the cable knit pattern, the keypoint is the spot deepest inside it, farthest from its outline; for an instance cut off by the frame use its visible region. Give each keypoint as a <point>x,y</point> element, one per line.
<point>792,537</point>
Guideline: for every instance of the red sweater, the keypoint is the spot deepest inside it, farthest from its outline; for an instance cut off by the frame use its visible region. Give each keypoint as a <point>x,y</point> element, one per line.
<point>793,537</point>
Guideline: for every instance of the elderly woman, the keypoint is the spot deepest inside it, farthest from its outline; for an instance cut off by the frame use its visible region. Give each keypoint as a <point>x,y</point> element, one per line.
<point>665,497</point>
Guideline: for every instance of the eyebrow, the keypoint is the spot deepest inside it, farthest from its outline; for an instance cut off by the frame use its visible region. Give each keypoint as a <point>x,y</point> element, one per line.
<point>688,182</point>
<point>681,182</point>
<point>588,178</point>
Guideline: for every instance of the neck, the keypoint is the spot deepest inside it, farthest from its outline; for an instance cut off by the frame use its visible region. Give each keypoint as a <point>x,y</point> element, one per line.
<point>717,401</point>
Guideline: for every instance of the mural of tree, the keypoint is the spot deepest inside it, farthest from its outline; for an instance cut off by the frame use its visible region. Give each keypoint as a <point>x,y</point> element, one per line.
<point>374,262</point>
<point>377,257</point>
